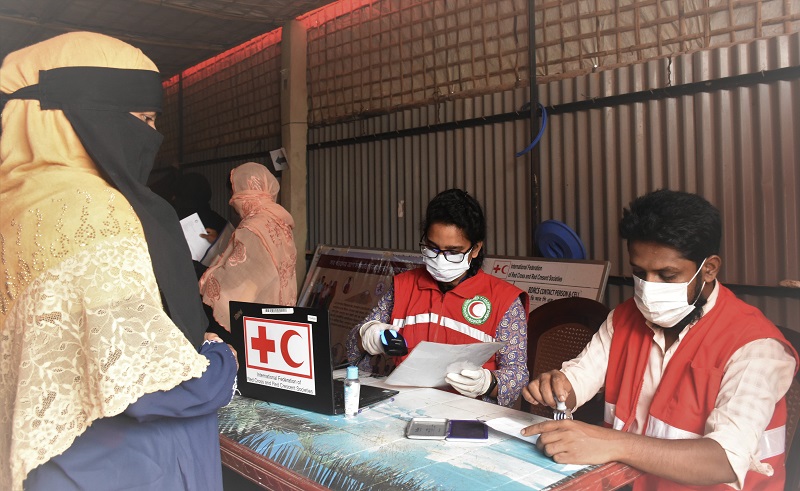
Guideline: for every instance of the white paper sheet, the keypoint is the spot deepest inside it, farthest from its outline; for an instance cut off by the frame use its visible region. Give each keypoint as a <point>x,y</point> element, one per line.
<point>512,427</point>
<point>427,364</point>
<point>192,228</point>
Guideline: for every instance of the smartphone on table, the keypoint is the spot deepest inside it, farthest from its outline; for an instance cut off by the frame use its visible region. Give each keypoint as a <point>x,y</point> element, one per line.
<point>462,430</point>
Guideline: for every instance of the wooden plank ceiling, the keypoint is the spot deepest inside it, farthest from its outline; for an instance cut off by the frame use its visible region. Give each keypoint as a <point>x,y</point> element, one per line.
<point>175,34</point>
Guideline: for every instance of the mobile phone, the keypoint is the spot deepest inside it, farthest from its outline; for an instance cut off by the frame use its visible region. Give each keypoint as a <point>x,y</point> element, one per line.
<point>427,428</point>
<point>462,430</point>
<point>468,430</point>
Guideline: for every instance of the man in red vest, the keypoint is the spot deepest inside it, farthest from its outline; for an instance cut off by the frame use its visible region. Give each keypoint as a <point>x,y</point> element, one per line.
<point>694,378</point>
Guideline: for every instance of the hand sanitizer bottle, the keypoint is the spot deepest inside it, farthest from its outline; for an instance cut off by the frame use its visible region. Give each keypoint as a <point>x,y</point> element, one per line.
<point>352,392</point>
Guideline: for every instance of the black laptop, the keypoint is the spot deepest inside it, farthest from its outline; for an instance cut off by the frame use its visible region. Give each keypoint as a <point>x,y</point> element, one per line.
<point>285,357</point>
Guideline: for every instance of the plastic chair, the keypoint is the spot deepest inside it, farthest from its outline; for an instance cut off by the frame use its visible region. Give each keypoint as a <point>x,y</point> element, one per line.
<point>792,420</point>
<point>558,331</point>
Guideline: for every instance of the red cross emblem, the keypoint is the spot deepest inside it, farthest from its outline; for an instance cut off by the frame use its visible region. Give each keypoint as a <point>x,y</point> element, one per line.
<point>263,345</point>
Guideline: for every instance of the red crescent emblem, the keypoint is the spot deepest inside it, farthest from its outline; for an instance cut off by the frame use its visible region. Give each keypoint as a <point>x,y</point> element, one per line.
<point>472,307</point>
<point>285,348</point>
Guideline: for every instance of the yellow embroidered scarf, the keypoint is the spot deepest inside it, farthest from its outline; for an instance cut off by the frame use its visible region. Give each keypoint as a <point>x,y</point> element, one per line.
<point>83,333</point>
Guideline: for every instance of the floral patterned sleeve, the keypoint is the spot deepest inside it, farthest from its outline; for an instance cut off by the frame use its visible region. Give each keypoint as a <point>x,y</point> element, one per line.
<point>512,359</point>
<point>382,312</point>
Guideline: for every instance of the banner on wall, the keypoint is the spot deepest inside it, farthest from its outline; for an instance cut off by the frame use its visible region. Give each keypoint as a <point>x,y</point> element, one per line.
<point>550,279</point>
<point>350,281</point>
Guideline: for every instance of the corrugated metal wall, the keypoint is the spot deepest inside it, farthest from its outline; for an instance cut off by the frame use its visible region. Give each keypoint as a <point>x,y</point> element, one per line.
<point>233,98</point>
<point>374,194</point>
<point>737,147</point>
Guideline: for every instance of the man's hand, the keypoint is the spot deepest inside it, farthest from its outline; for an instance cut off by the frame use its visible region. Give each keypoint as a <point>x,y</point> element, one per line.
<point>693,461</point>
<point>576,442</point>
<point>471,383</point>
<point>546,387</point>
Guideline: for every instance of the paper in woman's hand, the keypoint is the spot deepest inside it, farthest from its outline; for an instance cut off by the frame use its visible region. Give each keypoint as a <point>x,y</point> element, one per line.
<point>192,229</point>
<point>428,363</point>
<point>218,247</point>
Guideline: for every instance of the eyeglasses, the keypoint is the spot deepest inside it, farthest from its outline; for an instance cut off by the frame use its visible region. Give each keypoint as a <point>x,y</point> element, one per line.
<point>450,256</point>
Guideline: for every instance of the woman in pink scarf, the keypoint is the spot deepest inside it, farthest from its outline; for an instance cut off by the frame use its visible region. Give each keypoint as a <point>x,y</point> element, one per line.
<point>258,265</point>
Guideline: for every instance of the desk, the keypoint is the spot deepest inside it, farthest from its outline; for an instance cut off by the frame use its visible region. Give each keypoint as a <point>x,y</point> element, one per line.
<point>284,448</point>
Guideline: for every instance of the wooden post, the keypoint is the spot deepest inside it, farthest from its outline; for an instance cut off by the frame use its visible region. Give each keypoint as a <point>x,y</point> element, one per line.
<point>294,136</point>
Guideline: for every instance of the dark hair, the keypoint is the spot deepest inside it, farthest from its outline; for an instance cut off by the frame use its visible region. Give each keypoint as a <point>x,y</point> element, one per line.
<point>683,221</point>
<point>456,207</point>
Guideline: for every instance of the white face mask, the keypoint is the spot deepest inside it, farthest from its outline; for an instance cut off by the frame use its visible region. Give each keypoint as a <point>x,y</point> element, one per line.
<point>443,270</point>
<point>664,304</point>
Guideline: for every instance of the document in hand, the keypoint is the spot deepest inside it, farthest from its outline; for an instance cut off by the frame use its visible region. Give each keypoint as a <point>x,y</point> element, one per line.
<point>428,363</point>
<point>192,228</point>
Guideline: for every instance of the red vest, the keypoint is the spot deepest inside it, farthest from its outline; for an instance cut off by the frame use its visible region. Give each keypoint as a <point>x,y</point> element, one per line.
<point>468,313</point>
<point>691,382</point>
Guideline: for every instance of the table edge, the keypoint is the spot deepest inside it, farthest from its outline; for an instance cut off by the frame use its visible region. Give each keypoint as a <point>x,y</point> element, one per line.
<point>262,471</point>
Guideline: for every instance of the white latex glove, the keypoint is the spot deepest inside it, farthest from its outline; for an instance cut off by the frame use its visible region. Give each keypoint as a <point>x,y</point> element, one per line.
<point>370,334</point>
<point>471,383</point>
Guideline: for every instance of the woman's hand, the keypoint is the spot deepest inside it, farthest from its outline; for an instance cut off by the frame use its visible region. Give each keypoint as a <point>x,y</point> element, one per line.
<point>210,235</point>
<point>214,338</point>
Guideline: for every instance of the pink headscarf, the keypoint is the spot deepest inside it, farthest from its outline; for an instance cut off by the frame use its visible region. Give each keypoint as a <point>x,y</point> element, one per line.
<point>258,265</point>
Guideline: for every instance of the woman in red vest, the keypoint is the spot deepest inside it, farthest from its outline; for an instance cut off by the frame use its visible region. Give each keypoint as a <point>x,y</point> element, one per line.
<point>452,301</point>
<point>695,379</point>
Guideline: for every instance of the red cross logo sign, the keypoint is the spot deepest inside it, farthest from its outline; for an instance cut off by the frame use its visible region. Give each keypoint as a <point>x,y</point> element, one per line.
<point>501,268</point>
<point>278,346</point>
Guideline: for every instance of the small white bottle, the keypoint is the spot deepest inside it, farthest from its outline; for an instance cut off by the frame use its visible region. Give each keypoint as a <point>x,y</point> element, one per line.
<point>352,392</point>
<point>561,411</point>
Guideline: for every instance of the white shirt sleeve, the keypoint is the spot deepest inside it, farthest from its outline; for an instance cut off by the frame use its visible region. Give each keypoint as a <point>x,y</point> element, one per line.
<point>587,372</point>
<point>756,377</point>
